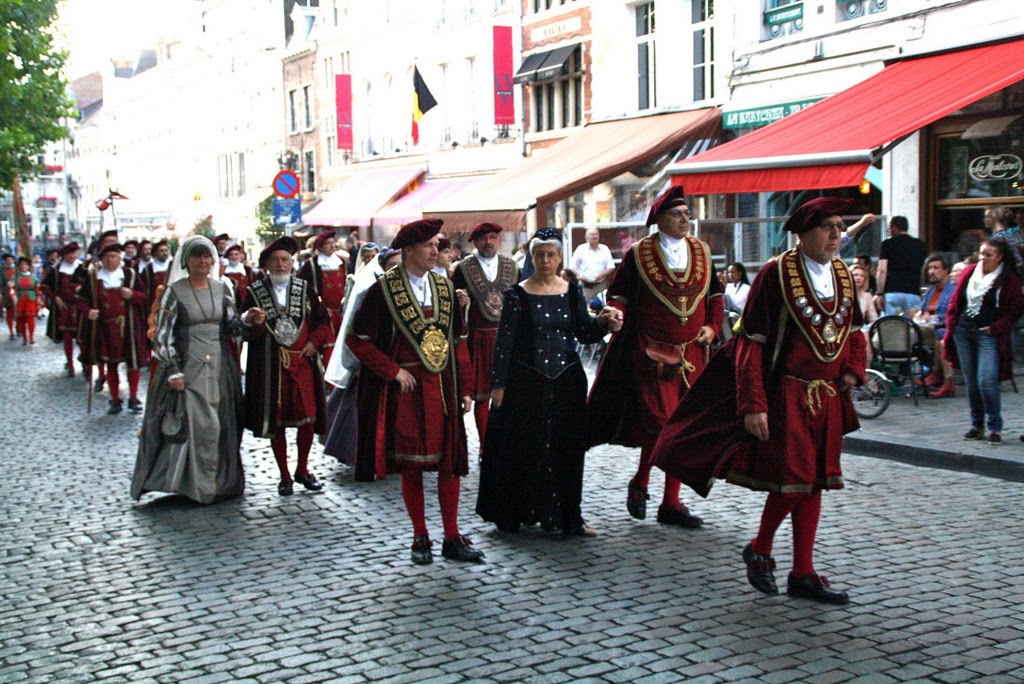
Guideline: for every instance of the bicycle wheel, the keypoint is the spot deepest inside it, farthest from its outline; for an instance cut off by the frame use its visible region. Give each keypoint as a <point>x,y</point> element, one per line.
<point>872,398</point>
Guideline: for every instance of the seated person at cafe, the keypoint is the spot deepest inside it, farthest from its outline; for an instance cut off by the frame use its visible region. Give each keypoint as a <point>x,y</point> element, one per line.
<point>932,317</point>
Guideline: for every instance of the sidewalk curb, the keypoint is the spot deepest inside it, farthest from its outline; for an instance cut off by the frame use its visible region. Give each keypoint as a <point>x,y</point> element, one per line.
<point>936,458</point>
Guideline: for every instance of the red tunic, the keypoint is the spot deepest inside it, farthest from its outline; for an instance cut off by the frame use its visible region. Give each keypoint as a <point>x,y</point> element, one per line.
<point>807,414</point>
<point>64,285</point>
<point>119,333</point>
<point>652,361</point>
<point>241,282</point>
<point>330,287</point>
<point>397,430</point>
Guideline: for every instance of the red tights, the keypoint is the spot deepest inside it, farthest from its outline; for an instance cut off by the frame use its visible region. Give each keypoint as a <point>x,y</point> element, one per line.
<point>480,409</point>
<point>280,447</point>
<point>670,499</point>
<point>805,510</point>
<point>113,383</point>
<point>447,495</point>
<point>27,327</point>
<point>10,319</point>
<point>69,348</point>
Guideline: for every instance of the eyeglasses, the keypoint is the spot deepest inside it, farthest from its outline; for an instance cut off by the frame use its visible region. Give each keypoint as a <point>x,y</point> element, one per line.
<point>838,225</point>
<point>679,213</point>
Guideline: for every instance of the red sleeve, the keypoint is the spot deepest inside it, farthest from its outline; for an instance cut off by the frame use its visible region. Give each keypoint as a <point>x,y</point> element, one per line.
<point>319,323</point>
<point>366,331</point>
<point>1011,305</point>
<point>750,394</point>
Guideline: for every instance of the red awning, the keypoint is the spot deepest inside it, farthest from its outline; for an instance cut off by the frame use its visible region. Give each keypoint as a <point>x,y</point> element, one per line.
<point>831,143</point>
<point>410,207</point>
<point>356,201</point>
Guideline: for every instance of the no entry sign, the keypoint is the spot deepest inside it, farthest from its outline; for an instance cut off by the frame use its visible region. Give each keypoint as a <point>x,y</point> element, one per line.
<point>286,184</point>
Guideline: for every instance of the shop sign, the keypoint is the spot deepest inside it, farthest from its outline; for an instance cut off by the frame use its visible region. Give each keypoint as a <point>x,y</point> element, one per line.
<point>995,167</point>
<point>784,14</point>
<point>762,116</point>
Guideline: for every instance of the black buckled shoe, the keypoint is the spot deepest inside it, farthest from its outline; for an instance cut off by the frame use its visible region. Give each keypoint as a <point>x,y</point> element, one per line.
<point>134,406</point>
<point>421,553</point>
<point>636,501</point>
<point>816,588</point>
<point>760,569</point>
<point>285,488</point>
<point>114,407</point>
<point>461,549</point>
<point>98,385</point>
<point>69,370</point>
<point>680,517</point>
<point>309,481</point>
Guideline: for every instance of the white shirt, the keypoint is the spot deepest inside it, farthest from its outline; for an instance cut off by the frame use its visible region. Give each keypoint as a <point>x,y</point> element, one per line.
<point>821,277</point>
<point>421,288</point>
<point>160,266</point>
<point>235,267</point>
<point>141,264</point>
<point>281,292</point>
<point>589,263</point>
<point>675,249</point>
<point>490,266</point>
<point>329,263</point>
<point>111,279</point>
<point>736,296</point>
<point>67,269</point>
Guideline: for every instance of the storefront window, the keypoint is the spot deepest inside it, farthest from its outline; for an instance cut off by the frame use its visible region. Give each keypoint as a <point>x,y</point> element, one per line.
<point>991,167</point>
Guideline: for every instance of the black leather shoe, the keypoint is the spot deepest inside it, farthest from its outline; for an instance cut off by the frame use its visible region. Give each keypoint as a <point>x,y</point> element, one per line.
<point>636,501</point>
<point>98,385</point>
<point>309,481</point>
<point>135,406</point>
<point>114,408</point>
<point>421,553</point>
<point>760,571</point>
<point>284,488</point>
<point>460,548</point>
<point>816,588</point>
<point>69,371</point>
<point>680,517</point>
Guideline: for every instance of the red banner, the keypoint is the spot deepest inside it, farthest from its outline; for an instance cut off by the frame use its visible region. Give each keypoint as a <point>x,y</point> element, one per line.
<point>504,103</point>
<point>343,109</point>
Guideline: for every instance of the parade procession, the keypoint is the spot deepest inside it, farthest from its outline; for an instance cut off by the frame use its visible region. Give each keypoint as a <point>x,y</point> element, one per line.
<point>512,341</point>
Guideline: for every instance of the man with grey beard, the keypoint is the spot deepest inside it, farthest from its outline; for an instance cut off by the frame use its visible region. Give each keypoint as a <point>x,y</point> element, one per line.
<point>284,380</point>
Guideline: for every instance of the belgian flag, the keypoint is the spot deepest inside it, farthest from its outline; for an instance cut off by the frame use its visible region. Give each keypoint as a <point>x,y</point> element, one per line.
<point>422,102</point>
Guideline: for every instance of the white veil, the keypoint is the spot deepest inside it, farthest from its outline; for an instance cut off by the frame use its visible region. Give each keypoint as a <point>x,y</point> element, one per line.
<point>179,265</point>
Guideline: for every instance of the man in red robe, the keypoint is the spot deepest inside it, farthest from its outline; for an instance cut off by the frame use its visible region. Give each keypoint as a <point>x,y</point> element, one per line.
<point>154,274</point>
<point>111,329</point>
<point>60,286</point>
<point>7,275</point>
<point>326,272</point>
<point>414,386</point>
<point>670,301</point>
<point>771,409</point>
<point>284,380</point>
<point>484,275</point>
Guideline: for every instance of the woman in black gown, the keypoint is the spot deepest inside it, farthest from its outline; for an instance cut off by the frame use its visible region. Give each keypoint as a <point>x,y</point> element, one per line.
<point>532,466</point>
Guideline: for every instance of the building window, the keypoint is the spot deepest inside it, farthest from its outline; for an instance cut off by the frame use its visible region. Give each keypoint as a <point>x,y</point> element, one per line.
<point>329,72</point>
<point>782,18</point>
<point>308,172</point>
<point>558,103</point>
<point>239,174</point>
<point>855,9</point>
<point>331,140</point>
<point>474,121</point>
<point>307,107</point>
<point>225,174</point>
<point>645,57</point>
<point>703,49</point>
<point>293,115</point>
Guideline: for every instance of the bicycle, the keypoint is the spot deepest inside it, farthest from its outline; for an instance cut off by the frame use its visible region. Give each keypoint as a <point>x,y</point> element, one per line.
<point>871,399</point>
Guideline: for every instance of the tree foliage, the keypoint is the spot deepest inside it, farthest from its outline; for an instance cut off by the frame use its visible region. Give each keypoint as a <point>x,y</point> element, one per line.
<point>33,90</point>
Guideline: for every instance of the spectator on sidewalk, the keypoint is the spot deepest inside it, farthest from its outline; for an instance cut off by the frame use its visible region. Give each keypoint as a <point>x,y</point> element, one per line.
<point>866,301</point>
<point>900,261</point>
<point>935,305</point>
<point>737,288</point>
<point>985,307</point>
<point>593,263</point>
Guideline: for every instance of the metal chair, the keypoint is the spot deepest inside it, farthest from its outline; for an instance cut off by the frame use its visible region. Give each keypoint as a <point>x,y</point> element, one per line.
<point>896,343</point>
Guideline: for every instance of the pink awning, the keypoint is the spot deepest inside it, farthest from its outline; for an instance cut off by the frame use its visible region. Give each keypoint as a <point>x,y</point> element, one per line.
<point>410,207</point>
<point>356,201</point>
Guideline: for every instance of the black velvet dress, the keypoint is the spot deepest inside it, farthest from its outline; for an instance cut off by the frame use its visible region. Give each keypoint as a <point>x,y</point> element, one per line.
<point>532,466</point>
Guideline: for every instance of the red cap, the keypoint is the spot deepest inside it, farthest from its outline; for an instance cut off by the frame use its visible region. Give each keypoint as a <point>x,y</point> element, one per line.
<point>483,229</point>
<point>811,214</point>
<point>322,238</point>
<point>68,248</point>
<point>416,232</point>
<point>286,243</point>
<point>673,197</point>
<point>111,248</point>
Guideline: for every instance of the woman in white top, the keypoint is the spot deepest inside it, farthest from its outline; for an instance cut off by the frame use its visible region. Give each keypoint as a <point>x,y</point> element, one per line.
<point>737,289</point>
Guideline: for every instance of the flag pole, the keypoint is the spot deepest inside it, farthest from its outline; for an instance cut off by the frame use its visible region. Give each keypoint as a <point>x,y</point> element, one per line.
<point>110,196</point>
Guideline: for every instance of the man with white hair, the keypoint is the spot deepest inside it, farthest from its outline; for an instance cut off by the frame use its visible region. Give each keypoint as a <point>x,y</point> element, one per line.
<point>593,263</point>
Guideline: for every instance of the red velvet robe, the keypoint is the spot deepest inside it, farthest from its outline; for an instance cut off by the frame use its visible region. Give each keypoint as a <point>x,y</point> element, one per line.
<point>422,428</point>
<point>120,332</point>
<point>630,401</point>
<point>330,287</point>
<point>56,284</point>
<point>807,414</point>
<point>283,388</point>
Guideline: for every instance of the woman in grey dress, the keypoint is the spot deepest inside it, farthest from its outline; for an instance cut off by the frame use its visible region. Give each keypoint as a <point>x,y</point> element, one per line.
<point>190,442</point>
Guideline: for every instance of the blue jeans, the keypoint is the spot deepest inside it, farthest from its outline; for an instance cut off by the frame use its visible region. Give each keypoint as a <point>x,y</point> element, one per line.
<point>901,302</point>
<point>979,361</point>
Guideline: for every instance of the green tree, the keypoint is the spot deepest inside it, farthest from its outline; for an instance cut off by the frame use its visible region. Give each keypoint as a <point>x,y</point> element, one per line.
<point>266,229</point>
<point>33,90</point>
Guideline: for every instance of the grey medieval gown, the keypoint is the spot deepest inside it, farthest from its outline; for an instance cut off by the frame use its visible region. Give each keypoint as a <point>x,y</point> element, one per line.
<point>203,461</point>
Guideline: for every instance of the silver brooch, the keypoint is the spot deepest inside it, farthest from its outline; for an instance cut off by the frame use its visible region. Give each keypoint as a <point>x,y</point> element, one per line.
<point>816,320</point>
<point>801,301</point>
<point>808,311</point>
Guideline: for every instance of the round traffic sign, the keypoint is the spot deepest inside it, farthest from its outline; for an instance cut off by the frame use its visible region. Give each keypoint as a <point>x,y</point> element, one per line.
<point>286,184</point>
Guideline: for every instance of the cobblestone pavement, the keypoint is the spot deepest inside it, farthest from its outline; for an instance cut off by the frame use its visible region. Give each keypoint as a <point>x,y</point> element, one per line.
<point>319,587</point>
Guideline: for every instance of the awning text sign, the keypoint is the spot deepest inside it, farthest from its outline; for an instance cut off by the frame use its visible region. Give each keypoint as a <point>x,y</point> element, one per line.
<point>762,116</point>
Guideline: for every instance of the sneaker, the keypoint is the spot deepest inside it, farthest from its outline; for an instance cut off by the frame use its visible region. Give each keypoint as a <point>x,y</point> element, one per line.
<point>995,438</point>
<point>975,433</point>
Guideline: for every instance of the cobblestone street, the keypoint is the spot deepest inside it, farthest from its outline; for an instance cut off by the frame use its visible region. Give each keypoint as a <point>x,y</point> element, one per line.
<point>319,587</point>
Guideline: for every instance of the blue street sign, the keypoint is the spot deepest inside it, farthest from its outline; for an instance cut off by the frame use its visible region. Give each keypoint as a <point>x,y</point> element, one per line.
<point>287,210</point>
